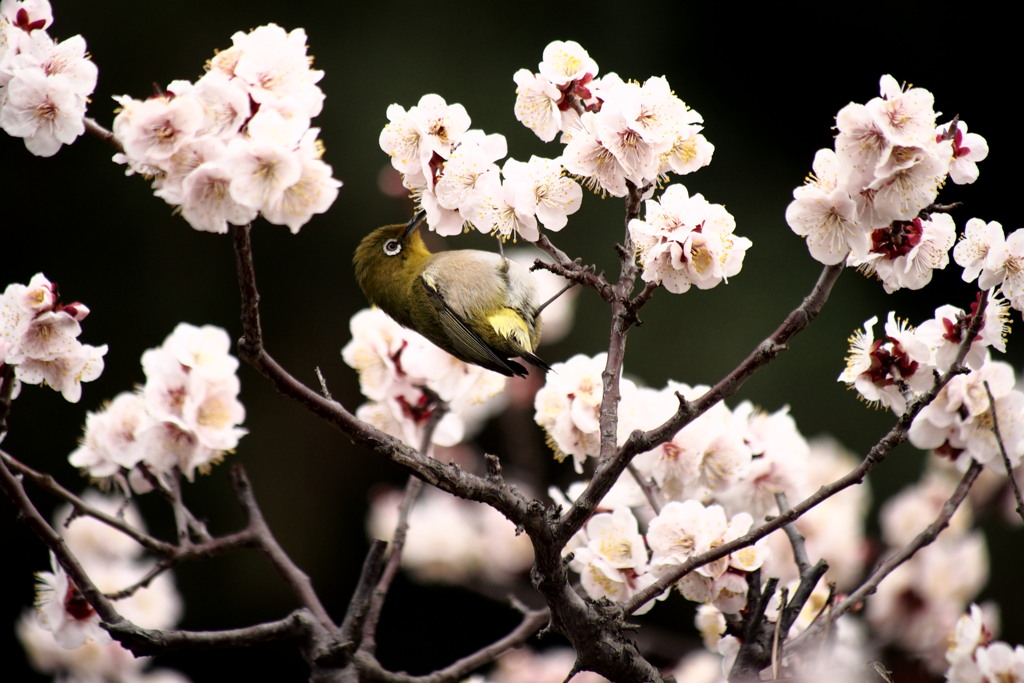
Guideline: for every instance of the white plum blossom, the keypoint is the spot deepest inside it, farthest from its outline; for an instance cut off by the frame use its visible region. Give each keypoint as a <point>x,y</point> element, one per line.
<point>685,241</point>
<point>968,150</point>
<point>222,161</point>
<point>111,442</point>
<point>568,407</point>
<point>542,182</point>
<point>904,254</point>
<point>866,197</point>
<point>469,173</point>
<point>881,371</point>
<point>64,611</point>
<point>971,252</point>
<point>63,636</point>
<point>566,61</point>
<point>703,459</point>
<point>960,419</point>
<point>824,214</point>
<point>587,157</point>
<point>1005,264</point>
<point>413,138</point>
<point>536,105</point>
<point>945,333</point>
<point>275,68</point>
<point>39,338</point>
<point>612,563</point>
<point>396,365</point>
<point>44,85</point>
<point>184,418</point>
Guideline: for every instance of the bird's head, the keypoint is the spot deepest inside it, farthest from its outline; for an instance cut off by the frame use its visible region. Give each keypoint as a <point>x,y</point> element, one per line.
<point>388,257</point>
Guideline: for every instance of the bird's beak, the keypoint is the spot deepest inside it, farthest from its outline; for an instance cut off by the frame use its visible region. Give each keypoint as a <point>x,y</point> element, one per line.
<point>413,224</point>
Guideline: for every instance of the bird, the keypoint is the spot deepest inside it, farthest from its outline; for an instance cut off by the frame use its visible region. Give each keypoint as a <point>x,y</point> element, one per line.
<point>477,305</point>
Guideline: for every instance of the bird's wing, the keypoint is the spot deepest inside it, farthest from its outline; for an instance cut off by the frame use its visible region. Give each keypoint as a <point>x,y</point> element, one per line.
<point>466,340</point>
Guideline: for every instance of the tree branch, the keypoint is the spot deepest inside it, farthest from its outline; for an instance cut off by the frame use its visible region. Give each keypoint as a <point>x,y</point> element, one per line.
<point>293,576</point>
<point>609,470</point>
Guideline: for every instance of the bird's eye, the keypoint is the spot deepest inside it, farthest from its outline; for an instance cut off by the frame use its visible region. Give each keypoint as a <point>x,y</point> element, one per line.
<point>392,247</point>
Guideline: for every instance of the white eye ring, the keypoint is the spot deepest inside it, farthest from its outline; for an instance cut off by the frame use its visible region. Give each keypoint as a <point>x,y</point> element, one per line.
<point>392,247</point>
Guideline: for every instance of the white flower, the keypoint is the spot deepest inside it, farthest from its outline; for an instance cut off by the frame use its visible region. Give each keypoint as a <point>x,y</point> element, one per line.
<point>1000,662</point>
<point>906,118</point>
<point>971,253</point>
<point>880,370</point>
<point>904,255</point>
<point>469,173</point>
<point>588,157</point>
<point>542,184</point>
<point>1005,265</point>
<point>824,214</point>
<point>968,150</point>
<point>64,611</point>
<point>207,203</point>
<point>566,61</point>
<point>45,110</point>
<point>110,442</point>
<point>685,241</point>
<point>567,407</point>
<point>537,104</point>
<point>275,66</point>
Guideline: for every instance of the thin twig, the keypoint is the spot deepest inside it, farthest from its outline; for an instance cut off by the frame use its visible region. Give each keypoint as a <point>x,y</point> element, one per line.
<point>98,131</point>
<point>608,471</point>
<point>156,570</point>
<point>50,485</point>
<point>796,539</point>
<point>1002,451</point>
<point>143,642</point>
<point>297,580</point>
<point>926,537</point>
<point>352,626</point>
<point>413,488</point>
<point>457,671</point>
<point>647,486</point>
<point>193,527</point>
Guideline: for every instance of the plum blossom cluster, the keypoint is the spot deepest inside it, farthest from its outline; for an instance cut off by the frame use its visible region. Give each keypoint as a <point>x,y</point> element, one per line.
<point>44,85</point>
<point>403,375</point>
<point>918,605</point>
<point>63,636</point>
<point>891,370</point>
<point>237,143</point>
<point>993,259</point>
<point>615,562</point>
<point>39,339</point>
<point>451,540</point>
<point>183,419</point>
<point>710,482</point>
<point>863,203</point>
<point>452,172</point>
<point>685,241</point>
<point>614,131</point>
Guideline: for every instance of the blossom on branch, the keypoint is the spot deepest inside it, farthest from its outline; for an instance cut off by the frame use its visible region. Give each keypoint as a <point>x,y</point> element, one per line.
<point>184,419</point>
<point>685,241</point>
<point>399,371</point>
<point>237,143</point>
<point>44,85</point>
<point>39,338</point>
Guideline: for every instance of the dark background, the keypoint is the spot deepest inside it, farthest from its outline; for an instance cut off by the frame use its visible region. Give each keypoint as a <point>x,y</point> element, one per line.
<point>768,84</point>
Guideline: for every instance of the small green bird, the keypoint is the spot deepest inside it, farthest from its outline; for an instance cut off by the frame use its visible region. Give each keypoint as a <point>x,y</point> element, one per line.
<point>476,305</point>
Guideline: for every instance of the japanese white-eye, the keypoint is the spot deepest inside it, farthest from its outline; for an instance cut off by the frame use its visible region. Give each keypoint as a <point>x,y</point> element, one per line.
<point>476,305</point>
